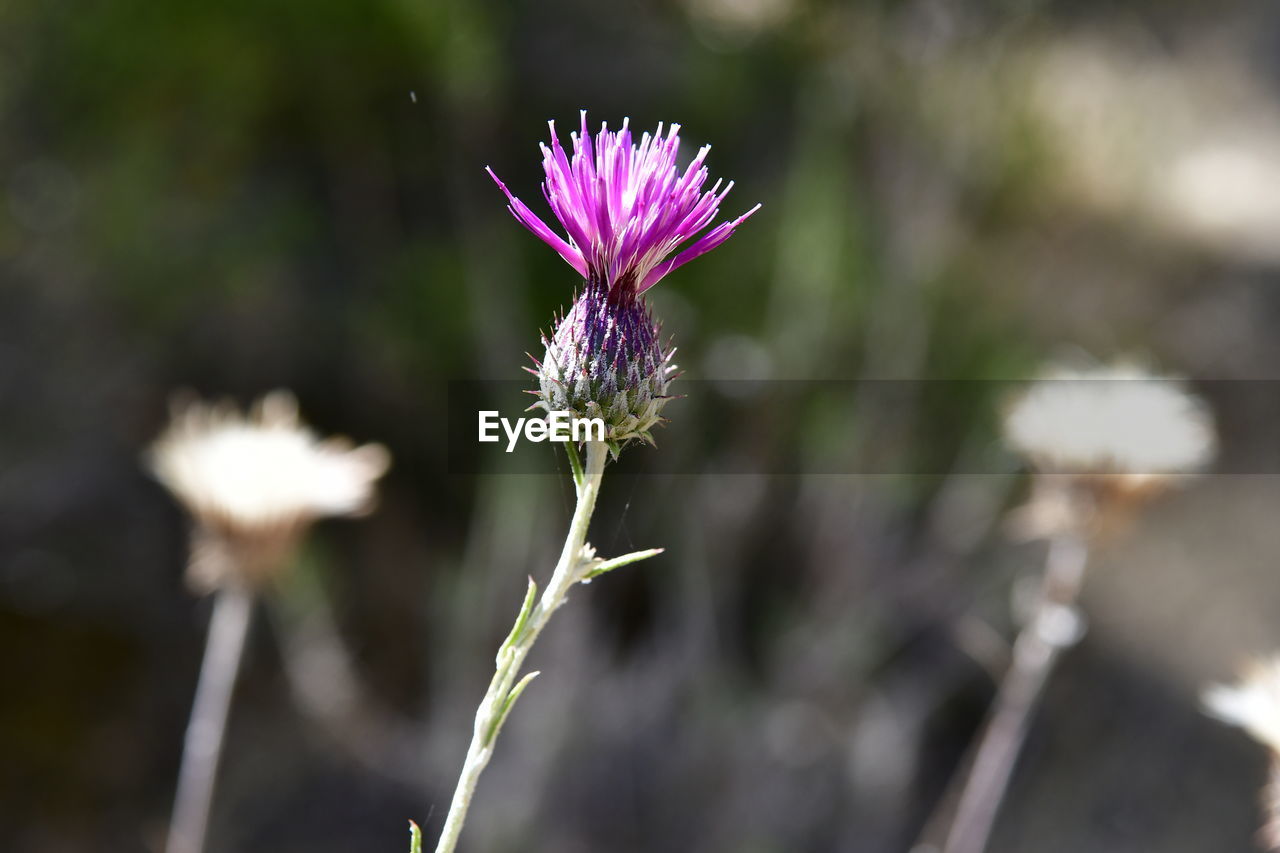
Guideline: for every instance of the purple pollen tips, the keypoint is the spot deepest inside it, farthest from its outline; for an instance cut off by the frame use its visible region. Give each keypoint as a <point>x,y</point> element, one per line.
<point>626,208</point>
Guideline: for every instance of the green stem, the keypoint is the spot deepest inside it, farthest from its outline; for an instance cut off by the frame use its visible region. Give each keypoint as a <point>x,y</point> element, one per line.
<point>503,689</point>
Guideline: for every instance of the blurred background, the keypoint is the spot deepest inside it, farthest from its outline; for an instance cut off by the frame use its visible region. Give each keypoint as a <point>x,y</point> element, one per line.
<point>233,197</point>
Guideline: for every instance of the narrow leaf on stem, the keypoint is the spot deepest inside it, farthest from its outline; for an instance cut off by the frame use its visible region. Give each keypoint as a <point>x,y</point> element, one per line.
<point>575,465</point>
<point>522,619</point>
<point>599,568</point>
<point>509,703</point>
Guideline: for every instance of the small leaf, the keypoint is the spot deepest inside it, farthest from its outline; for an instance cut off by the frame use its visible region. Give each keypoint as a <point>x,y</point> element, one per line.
<point>575,464</point>
<point>517,629</point>
<point>508,705</point>
<point>415,838</point>
<point>618,562</point>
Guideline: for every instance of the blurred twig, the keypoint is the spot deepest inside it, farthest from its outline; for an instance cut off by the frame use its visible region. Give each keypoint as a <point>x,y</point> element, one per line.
<point>324,683</point>
<point>1053,627</point>
<point>203,745</point>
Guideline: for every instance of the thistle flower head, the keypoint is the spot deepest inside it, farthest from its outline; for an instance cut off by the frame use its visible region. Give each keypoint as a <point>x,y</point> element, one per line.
<point>253,484</point>
<point>1104,441</point>
<point>1111,421</point>
<point>626,208</point>
<point>1252,703</point>
<point>630,216</point>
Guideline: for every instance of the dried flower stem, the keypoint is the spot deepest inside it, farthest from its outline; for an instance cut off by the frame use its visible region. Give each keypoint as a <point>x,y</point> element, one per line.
<point>1270,834</point>
<point>202,747</point>
<point>1052,628</point>
<point>577,563</point>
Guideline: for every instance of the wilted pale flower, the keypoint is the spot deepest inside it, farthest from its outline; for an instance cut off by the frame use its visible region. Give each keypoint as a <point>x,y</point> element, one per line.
<point>1253,703</point>
<point>1104,441</point>
<point>625,210</point>
<point>253,484</point>
<point>1118,421</point>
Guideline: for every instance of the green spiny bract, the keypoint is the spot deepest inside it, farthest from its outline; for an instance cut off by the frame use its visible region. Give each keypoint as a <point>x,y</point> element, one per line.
<point>604,360</point>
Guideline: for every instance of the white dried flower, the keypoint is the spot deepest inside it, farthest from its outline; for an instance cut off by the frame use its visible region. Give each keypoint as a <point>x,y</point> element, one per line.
<point>1111,421</point>
<point>1253,703</point>
<point>254,484</point>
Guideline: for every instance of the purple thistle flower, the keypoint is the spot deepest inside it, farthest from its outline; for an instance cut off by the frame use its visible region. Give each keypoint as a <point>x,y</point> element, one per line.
<point>626,210</point>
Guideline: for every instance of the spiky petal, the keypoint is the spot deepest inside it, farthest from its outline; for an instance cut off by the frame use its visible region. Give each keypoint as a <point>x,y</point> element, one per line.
<point>626,208</point>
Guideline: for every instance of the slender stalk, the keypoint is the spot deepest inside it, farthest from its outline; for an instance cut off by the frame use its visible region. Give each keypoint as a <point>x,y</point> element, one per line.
<point>1035,651</point>
<point>202,747</point>
<point>503,689</point>
<point>1270,835</point>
